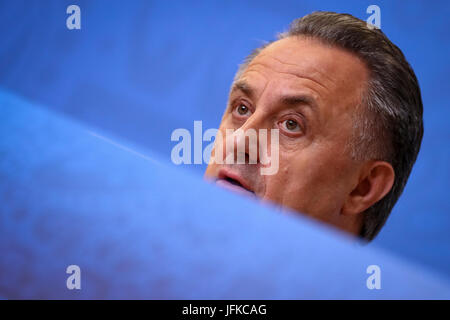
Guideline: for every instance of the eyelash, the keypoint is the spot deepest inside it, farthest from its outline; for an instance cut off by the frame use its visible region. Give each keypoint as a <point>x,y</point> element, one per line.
<point>285,118</point>
<point>299,122</point>
<point>236,112</point>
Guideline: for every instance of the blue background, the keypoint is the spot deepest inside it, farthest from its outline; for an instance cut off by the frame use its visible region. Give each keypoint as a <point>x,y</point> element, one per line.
<point>137,70</point>
<point>135,232</point>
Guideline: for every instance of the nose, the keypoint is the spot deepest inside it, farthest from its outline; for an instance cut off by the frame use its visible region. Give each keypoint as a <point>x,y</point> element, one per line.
<point>242,145</point>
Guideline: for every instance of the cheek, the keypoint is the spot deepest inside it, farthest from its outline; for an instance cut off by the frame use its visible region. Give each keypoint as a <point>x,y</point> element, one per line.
<point>219,149</point>
<point>286,183</point>
<point>307,182</point>
<point>211,171</point>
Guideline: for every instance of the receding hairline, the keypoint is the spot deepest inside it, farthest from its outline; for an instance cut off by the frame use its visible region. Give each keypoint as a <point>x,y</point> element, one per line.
<point>391,121</point>
<point>258,52</point>
<point>359,110</point>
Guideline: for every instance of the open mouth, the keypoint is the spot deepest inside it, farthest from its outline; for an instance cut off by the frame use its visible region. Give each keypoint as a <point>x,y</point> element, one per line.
<point>234,184</point>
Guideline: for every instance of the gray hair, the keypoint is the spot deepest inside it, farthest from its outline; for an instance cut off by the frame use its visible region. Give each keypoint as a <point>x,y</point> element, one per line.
<point>388,123</point>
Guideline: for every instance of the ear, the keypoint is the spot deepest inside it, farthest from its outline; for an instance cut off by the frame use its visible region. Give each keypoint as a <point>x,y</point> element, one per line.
<point>375,181</point>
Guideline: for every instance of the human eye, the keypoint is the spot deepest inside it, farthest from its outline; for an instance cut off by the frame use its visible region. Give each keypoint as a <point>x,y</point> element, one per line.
<point>291,126</point>
<point>241,111</point>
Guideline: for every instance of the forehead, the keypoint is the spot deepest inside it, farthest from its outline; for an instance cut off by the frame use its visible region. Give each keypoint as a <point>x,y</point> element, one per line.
<point>299,62</point>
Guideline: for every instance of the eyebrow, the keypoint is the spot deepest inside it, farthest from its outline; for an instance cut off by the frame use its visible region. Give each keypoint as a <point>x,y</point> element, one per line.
<point>299,99</point>
<point>244,87</point>
<point>291,100</point>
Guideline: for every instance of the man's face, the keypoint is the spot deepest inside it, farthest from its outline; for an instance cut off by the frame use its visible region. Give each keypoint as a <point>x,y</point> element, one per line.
<point>310,92</point>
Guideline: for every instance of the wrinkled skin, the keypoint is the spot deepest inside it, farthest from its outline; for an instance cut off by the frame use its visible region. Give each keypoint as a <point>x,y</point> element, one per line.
<point>317,175</point>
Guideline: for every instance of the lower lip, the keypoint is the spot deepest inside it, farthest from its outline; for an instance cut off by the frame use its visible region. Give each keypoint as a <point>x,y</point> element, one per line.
<point>228,185</point>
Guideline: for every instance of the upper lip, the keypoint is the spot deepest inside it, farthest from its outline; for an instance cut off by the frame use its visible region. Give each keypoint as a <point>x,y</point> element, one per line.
<point>225,173</point>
